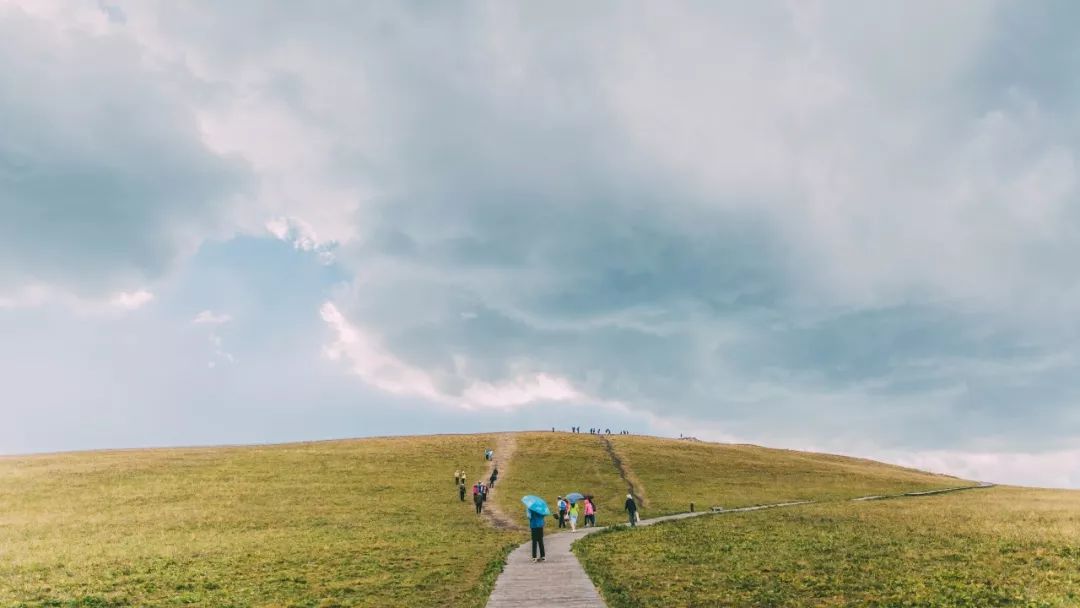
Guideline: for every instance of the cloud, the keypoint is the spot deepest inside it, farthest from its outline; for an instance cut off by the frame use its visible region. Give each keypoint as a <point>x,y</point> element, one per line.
<point>378,367</point>
<point>820,224</point>
<point>302,236</point>
<point>131,300</point>
<point>209,317</point>
<point>107,188</point>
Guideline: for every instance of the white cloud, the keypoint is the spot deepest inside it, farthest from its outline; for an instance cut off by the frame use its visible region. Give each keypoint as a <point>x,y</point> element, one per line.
<point>381,369</point>
<point>131,300</point>
<point>302,236</point>
<point>209,317</point>
<point>1053,469</point>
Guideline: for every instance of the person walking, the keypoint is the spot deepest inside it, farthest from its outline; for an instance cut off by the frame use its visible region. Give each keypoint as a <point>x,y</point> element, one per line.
<point>631,510</point>
<point>461,489</point>
<point>562,511</point>
<point>483,492</point>
<point>536,529</point>
<point>477,497</point>
<point>590,513</point>
<point>573,517</point>
<point>494,476</point>
<point>457,476</point>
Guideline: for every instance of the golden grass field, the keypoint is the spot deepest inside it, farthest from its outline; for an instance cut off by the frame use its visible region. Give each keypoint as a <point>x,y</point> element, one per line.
<point>372,522</point>
<point>977,548</point>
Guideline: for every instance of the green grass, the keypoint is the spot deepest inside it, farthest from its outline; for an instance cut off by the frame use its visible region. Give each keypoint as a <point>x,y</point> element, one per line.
<point>374,522</point>
<point>553,464</point>
<point>977,548</point>
<point>675,473</point>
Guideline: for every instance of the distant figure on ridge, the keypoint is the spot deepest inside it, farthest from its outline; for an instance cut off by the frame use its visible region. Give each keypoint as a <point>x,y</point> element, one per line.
<point>631,509</point>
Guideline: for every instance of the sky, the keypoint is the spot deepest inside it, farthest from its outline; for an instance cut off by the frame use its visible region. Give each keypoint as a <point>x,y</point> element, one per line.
<point>840,226</point>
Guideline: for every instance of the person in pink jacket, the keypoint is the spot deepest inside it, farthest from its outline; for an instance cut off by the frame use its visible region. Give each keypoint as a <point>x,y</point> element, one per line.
<point>590,513</point>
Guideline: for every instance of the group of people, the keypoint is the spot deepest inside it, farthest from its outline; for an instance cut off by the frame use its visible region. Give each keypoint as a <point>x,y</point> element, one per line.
<point>568,510</point>
<point>479,490</point>
<point>593,431</point>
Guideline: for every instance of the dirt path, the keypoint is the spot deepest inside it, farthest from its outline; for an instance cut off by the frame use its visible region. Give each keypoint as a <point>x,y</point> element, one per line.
<point>633,484</point>
<point>505,446</point>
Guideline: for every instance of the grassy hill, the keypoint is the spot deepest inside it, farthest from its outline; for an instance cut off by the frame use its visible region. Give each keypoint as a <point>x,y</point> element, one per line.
<point>373,522</point>
<point>988,547</point>
<point>674,473</point>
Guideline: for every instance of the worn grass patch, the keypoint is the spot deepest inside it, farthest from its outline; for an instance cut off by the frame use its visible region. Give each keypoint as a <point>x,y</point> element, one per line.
<point>978,548</point>
<point>675,473</point>
<point>553,464</point>
<point>372,522</point>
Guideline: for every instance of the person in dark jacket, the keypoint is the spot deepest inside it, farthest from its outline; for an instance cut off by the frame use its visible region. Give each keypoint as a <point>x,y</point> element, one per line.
<point>478,497</point>
<point>631,509</point>
<point>461,490</point>
<point>536,528</point>
<point>562,506</point>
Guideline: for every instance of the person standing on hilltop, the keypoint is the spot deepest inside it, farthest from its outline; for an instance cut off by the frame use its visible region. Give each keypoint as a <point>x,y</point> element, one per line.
<point>631,510</point>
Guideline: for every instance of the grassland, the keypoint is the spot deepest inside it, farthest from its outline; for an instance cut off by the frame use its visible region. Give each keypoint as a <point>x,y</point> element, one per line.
<point>553,464</point>
<point>978,548</point>
<point>374,522</point>
<point>675,473</point>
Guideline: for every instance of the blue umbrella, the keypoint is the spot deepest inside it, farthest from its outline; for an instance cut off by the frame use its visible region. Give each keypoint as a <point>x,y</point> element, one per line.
<point>574,496</point>
<point>536,505</point>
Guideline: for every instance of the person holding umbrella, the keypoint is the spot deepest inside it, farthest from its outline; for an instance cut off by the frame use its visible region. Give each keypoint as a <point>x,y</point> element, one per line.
<point>536,510</point>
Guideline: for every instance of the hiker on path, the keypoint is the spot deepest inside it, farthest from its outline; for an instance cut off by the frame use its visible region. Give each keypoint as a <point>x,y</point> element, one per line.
<point>631,510</point>
<point>494,476</point>
<point>461,490</point>
<point>478,497</point>
<point>536,528</point>
<point>590,513</point>
<point>573,517</point>
<point>562,505</point>
<point>457,476</point>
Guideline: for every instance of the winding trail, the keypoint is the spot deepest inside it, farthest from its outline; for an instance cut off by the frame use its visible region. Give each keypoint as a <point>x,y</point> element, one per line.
<point>628,477</point>
<point>561,581</point>
<point>505,447</point>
